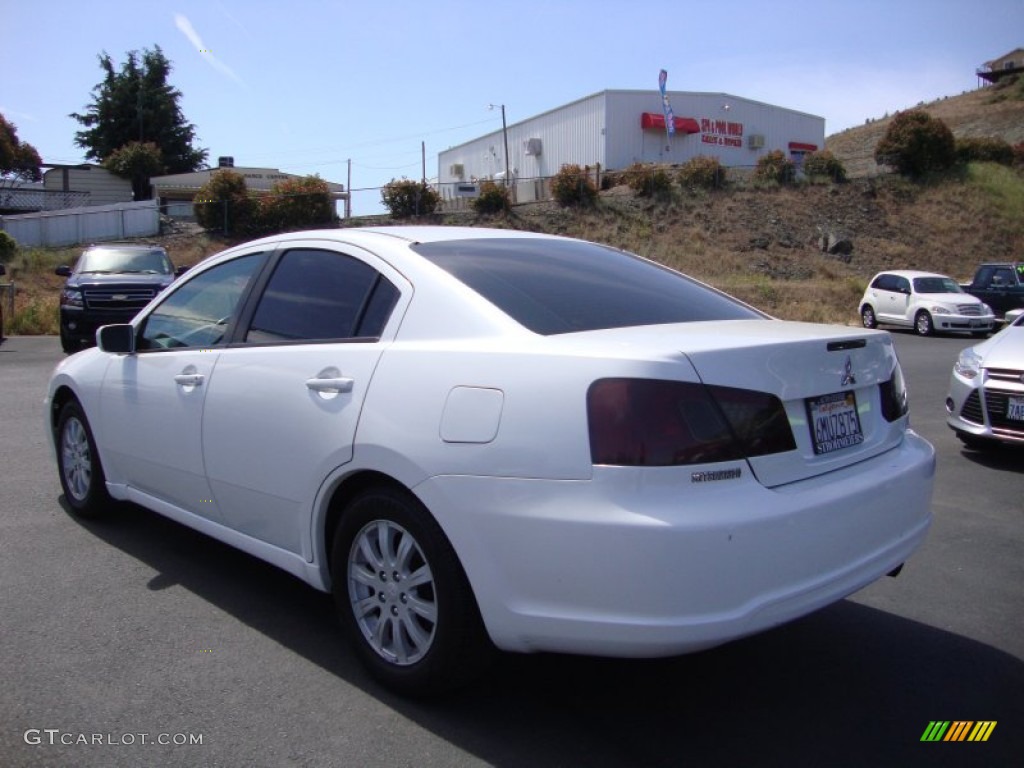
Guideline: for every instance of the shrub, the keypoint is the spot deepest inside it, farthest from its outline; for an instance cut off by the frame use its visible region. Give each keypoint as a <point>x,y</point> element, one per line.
<point>985,150</point>
<point>493,199</point>
<point>775,167</point>
<point>824,164</point>
<point>224,203</point>
<point>916,144</point>
<point>572,185</point>
<point>701,172</point>
<point>8,246</point>
<point>648,180</point>
<point>405,198</point>
<point>296,204</point>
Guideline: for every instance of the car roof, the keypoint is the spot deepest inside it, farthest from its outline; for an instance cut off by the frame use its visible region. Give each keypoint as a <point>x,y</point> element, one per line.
<point>123,247</point>
<point>911,273</point>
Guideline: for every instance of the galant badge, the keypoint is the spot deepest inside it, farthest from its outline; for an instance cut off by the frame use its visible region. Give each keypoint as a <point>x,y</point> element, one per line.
<point>848,378</point>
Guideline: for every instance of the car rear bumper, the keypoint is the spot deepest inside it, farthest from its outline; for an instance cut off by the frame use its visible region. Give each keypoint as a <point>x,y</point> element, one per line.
<point>646,562</point>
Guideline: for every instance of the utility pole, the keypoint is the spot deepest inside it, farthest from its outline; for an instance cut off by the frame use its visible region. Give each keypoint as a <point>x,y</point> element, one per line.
<point>504,133</point>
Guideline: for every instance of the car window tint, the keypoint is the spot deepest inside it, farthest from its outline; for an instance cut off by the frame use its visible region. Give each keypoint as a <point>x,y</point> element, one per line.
<point>198,311</point>
<point>884,283</point>
<point>1003,276</point>
<point>563,286</point>
<point>936,285</point>
<point>378,309</point>
<point>314,295</point>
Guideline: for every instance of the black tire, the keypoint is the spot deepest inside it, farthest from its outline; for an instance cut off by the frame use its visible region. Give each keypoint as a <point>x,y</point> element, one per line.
<point>78,462</point>
<point>417,640</point>
<point>69,345</point>
<point>923,324</point>
<point>867,316</point>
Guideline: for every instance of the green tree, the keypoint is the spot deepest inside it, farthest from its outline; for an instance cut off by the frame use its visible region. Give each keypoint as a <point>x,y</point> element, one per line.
<point>984,149</point>
<point>492,199</point>
<point>224,204</point>
<point>775,167</point>
<point>296,204</point>
<point>916,144</point>
<point>572,186</point>
<point>823,164</point>
<point>405,198</point>
<point>19,160</point>
<point>137,104</point>
<point>137,161</point>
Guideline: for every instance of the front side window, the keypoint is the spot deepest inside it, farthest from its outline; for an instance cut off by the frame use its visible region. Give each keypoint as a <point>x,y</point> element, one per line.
<point>197,313</point>
<point>316,295</point>
<point>936,285</point>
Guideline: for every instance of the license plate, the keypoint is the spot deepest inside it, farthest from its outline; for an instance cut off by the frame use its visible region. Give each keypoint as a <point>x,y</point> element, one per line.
<point>834,422</point>
<point>1015,408</point>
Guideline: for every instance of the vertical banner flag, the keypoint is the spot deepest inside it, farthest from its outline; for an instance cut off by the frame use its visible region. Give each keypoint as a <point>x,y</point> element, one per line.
<point>670,119</point>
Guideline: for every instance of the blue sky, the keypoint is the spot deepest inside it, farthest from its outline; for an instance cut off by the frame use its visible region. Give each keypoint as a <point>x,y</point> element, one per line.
<point>306,85</point>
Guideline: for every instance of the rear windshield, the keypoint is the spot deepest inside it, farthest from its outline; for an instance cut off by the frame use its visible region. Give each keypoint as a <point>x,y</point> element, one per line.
<point>563,286</point>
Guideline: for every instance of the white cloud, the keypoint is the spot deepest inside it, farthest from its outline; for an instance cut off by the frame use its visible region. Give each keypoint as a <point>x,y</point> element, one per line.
<point>185,27</point>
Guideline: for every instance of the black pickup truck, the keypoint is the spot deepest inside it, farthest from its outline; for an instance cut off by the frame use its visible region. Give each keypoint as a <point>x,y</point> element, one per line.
<point>1000,285</point>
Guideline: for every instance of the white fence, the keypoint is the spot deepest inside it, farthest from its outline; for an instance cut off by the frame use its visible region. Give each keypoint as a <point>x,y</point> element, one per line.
<point>84,225</point>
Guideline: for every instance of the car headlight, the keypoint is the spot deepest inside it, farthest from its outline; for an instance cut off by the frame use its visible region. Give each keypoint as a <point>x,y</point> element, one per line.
<point>986,310</point>
<point>71,298</point>
<point>968,364</point>
<point>938,309</point>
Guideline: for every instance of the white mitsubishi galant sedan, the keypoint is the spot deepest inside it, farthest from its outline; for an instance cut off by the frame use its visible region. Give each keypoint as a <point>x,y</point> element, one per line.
<point>485,438</point>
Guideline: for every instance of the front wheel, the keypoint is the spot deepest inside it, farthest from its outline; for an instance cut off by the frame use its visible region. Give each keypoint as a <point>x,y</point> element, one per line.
<point>923,324</point>
<point>69,345</point>
<point>81,474</point>
<point>867,316</point>
<point>402,596</point>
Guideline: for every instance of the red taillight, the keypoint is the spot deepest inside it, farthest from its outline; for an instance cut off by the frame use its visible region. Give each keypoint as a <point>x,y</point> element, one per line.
<point>656,423</point>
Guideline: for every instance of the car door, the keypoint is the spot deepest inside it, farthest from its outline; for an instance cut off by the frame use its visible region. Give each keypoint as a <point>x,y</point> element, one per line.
<point>152,401</point>
<point>884,295</point>
<point>282,411</point>
<point>902,302</point>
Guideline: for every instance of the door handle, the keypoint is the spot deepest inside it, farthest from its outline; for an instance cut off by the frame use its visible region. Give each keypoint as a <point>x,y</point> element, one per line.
<point>330,386</point>
<point>189,379</point>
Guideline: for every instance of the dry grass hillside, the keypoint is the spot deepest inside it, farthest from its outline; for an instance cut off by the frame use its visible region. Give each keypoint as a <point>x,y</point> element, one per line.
<point>761,244</point>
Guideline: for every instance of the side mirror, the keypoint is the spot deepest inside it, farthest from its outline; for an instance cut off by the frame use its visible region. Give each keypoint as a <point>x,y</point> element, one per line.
<point>116,339</point>
<point>63,270</point>
<point>180,271</point>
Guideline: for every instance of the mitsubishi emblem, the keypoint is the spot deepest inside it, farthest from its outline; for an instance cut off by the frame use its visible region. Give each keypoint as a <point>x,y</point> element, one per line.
<point>848,378</point>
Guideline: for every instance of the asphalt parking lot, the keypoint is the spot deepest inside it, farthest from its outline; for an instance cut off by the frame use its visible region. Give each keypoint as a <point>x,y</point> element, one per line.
<point>119,635</point>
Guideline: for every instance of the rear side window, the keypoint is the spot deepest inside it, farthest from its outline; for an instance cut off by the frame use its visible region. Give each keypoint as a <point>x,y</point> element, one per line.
<point>564,286</point>
<point>318,295</point>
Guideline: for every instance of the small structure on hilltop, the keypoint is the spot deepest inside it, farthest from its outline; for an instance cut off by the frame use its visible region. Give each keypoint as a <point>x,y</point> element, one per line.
<point>1010,63</point>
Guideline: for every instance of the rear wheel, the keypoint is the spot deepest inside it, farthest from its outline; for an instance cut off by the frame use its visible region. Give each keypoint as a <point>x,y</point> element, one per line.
<point>403,598</point>
<point>923,324</point>
<point>81,474</point>
<point>867,316</point>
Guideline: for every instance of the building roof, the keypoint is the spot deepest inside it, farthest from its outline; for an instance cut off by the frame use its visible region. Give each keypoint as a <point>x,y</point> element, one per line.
<point>256,179</point>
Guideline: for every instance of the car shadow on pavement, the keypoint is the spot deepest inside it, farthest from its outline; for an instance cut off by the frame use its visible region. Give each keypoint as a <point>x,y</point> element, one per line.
<point>848,685</point>
<point>1008,458</point>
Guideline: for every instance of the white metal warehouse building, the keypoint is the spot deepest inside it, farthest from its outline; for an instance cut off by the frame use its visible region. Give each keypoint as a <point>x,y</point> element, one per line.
<point>618,128</point>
